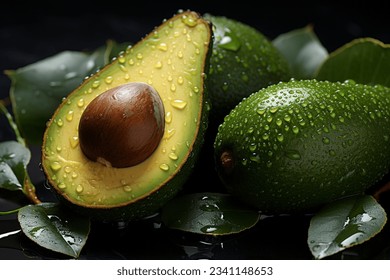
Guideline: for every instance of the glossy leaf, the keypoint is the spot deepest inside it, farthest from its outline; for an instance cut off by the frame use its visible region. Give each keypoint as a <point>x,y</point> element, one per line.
<point>343,224</point>
<point>208,213</point>
<point>14,158</point>
<point>38,89</point>
<point>303,51</point>
<point>365,60</point>
<point>54,228</point>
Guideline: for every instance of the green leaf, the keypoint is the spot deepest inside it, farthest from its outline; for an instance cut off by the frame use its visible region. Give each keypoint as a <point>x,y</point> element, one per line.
<point>14,158</point>
<point>364,60</point>
<point>54,228</point>
<point>343,224</point>
<point>38,89</point>
<point>208,213</point>
<point>303,51</point>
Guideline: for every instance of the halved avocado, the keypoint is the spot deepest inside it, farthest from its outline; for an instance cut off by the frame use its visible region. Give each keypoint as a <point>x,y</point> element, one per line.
<point>172,59</point>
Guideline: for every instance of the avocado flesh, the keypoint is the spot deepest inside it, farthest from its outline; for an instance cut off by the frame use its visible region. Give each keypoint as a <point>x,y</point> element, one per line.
<point>172,59</point>
<point>295,146</point>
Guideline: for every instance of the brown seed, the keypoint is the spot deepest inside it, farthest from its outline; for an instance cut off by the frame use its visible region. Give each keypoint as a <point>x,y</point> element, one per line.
<point>123,126</point>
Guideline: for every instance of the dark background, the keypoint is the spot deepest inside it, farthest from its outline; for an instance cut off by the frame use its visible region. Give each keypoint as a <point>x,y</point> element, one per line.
<point>32,31</point>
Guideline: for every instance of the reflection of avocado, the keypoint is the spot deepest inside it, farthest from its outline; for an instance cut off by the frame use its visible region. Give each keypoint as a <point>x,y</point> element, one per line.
<point>172,61</point>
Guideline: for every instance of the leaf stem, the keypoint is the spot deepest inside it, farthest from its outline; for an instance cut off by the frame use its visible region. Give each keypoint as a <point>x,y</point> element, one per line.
<point>11,122</point>
<point>10,212</point>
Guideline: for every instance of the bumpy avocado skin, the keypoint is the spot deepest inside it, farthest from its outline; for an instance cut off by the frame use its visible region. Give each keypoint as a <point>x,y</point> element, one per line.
<point>149,203</point>
<point>243,61</point>
<point>295,146</point>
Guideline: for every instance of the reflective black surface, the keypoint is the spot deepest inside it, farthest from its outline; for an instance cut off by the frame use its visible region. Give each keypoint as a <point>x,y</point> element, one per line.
<point>274,237</point>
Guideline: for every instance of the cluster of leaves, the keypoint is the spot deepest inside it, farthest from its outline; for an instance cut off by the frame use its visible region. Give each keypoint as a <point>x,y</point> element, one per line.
<point>337,226</point>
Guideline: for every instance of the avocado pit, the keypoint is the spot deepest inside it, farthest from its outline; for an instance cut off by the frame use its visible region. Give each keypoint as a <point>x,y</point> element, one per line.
<point>123,126</point>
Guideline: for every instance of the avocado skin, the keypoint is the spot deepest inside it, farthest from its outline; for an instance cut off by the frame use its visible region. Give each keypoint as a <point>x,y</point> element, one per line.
<point>297,145</point>
<point>248,64</point>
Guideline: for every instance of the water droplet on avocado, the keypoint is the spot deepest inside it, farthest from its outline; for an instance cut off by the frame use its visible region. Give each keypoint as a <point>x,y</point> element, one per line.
<point>325,140</point>
<point>61,186</point>
<point>55,166</point>
<point>280,137</point>
<point>74,141</point>
<point>225,86</point>
<point>169,133</point>
<point>164,167</point>
<point>189,20</point>
<point>173,156</point>
<point>69,116</point>
<point>255,158</point>
<point>244,77</point>
<point>293,154</point>
<point>179,104</point>
<point>163,47</point>
<point>79,189</point>
<point>121,59</point>
<point>127,188</point>
<point>229,41</point>
<point>96,84</point>
<point>108,79</point>
<point>80,103</point>
<point>60,123</point>
<point>139,56</point>
<point>158,65</point>
<point>168,117</point>
<point>180,80</point>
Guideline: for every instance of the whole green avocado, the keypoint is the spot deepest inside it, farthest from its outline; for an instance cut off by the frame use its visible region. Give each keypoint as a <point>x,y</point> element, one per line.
<point>243,60</point>
<point>297,145</point>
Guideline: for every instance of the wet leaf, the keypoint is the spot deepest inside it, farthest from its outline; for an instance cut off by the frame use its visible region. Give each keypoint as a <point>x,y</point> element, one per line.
<point>208,213</point>
<point>38,89</point>
<point>343,224</point>
<point>54,228</point>
<point>14,158</point>
<point>364,60</point>
<point>303,51</point>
